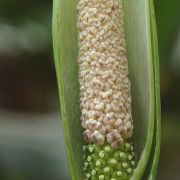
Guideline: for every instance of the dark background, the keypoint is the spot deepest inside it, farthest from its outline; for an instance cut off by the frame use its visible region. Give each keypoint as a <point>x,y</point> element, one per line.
<point>31,136</point>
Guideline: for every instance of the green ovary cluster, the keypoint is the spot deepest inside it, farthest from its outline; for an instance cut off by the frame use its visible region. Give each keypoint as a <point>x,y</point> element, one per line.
<point>106,163</point>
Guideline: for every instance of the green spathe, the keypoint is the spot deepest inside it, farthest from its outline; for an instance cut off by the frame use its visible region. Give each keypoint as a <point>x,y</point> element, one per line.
<point>144,75</point>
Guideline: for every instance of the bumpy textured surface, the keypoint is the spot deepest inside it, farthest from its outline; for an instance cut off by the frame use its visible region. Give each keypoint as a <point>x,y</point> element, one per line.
<point>102,162</point>
<point>103,73</point>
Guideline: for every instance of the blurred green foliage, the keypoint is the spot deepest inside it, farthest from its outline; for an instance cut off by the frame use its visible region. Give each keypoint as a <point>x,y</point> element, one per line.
<point>21,10</point>
<point>27,73</point>
<point>168,24</point>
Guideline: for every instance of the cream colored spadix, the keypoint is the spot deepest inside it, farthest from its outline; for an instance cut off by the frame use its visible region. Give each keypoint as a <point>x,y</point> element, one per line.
<point>105,96</point>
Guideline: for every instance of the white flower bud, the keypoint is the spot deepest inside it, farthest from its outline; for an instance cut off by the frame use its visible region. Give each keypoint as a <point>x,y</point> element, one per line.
<point>88,135</point>
<point>98,138</point>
